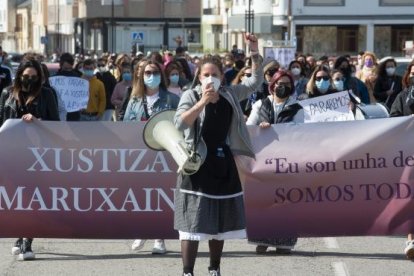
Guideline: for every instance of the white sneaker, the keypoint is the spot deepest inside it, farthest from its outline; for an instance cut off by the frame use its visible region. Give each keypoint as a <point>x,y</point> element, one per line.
<point>138,245</point>
<point>159,247</point>
<point>16,247</point>
<point>27,256</point>
<point>409,250</point>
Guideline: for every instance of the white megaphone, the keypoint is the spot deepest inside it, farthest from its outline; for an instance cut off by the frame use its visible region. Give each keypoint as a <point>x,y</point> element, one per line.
<point>161,134</point>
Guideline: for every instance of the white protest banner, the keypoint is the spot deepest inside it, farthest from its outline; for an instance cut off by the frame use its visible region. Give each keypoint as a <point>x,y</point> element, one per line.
<point>329,108</point>
<point>284,55</point>
<point>74,91</point>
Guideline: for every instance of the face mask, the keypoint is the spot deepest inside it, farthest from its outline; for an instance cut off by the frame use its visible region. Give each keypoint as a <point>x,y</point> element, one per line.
<point>1,59</point>
<point>126,76</point>
<point>296,71</point>
<point>283,91</point>
<point>322,85</point>
<point>369,63</point>
<point>346,71</point>
<point>174,79</point>
<point>353,75</point>
<point>27,84</point>
<point>215,81</point>
<point>411,80</point>
<point>102,69</point>
<point>88,73</point>
<point>339,85</point>
<point>153,81</point>
<point>390,71</point>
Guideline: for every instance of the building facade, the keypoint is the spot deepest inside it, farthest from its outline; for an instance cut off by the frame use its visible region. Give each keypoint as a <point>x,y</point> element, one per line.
<point>320,27</point>
<point>121,25</point>
<point>49,26</point>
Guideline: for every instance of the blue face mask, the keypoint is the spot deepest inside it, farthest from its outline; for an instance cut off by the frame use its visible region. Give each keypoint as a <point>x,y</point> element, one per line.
<point>153,81</point>
<point>322,85</point>
<point>339,85</point>
<point>174,79</point>
<point>88,73</point>
<point>127,76</point>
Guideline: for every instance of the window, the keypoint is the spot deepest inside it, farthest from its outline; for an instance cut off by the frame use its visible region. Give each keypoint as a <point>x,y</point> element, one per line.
<point>324,2</point>
<point>400,34</point>
<point>299,39</point>
<point>347,39</point>
<point>396,2</point>
<point>19,23</point>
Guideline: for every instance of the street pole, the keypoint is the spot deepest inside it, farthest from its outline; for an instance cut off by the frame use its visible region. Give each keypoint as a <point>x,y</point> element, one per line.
<point>227,29</point>
<point>58,25</point>
<point>112,25</point>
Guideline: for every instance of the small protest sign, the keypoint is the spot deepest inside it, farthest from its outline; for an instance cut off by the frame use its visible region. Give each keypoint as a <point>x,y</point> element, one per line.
<point>74,91</point>
<point>328,108</point>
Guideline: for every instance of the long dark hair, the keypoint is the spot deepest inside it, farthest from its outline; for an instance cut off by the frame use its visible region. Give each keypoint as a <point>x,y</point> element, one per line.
<point>35,88</point>
<point>406,78</point>
<point>382,73</point>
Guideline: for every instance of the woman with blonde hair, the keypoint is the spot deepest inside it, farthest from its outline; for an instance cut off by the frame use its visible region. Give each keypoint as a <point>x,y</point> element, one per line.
<point>368,73</point>
<point>149,95</point>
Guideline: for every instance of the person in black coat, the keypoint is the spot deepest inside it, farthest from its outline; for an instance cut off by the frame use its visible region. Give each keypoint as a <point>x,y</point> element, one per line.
<point>404,106</point>
<point>388,84</point>
<point>109,82</point>
<point>28,100</point>
<point>404,102</point>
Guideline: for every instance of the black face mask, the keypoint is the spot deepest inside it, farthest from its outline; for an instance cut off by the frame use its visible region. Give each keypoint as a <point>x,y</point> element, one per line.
<point>411,80</point>
<point>283,91</point>
<point>27,84</point>
<point>346,71</point>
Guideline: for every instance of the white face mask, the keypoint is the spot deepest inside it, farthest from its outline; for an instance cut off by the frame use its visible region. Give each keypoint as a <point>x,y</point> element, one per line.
<point>295,71</point>
<point>215,81</point>
<point>390,71</point>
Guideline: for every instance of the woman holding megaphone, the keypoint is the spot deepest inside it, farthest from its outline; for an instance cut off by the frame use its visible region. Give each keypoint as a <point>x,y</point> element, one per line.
<point>209,203</point>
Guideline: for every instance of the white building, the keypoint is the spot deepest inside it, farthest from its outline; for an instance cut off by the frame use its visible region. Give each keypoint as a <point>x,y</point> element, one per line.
<point>321,27</point>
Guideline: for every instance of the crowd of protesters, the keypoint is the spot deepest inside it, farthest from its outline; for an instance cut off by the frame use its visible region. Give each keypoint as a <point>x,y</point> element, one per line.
<point>124,87</point>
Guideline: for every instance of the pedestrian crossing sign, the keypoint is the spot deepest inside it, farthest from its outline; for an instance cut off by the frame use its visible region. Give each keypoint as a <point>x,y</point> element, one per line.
<point>137,37</point>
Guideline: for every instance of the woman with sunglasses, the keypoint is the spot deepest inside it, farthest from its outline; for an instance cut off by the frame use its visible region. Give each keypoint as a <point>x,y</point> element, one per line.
<point>149,95</point>
<point>269,70</point>
<point>30,101</point>
<point>320,83</point>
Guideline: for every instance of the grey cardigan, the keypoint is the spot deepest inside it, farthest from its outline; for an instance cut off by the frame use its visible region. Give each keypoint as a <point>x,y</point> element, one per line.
<point>238,138</point>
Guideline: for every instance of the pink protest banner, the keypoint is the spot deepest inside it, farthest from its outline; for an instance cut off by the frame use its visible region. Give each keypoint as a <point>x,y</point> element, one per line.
<point>331,179</point>
<point>84,180</point>
<point>99,180</point>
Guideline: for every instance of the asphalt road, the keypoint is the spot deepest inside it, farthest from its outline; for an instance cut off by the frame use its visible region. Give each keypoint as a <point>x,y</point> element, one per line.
<point>312,256</point>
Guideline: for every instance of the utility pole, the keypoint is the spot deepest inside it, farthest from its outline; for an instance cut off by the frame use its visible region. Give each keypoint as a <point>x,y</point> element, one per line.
<point>112,26</point>
<point>249,19</point>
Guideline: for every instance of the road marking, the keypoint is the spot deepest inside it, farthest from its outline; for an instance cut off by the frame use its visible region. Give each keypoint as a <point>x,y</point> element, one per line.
<point>340,269</point>
<point>331,243</point>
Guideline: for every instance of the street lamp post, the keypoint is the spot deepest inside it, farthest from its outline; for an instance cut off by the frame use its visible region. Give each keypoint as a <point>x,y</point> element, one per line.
<point>58,25</point>
<point>249,18</point>
<point>112,25</point>
<point>227,5</point>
